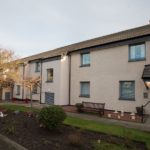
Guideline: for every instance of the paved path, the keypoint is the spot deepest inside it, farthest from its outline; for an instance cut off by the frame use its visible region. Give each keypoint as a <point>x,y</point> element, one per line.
<point>5,146</point>
<point>140,126</point>
<point>8,144</point>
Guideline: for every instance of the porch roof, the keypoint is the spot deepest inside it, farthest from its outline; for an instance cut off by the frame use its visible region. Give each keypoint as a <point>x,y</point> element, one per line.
<point>146,73</point>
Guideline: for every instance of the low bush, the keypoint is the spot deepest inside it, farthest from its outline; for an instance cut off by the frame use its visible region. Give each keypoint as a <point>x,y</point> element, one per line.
<point>51,117</point>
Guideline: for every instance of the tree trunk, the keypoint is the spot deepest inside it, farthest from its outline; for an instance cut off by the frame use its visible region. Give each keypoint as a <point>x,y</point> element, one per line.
<point>31,101</point>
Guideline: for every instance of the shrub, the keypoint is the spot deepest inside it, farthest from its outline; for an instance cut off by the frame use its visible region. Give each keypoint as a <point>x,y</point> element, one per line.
<point>79,107</point>
<point>51,117</point>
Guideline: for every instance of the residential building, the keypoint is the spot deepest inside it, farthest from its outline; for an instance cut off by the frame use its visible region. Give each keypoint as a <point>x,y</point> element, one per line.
<point>108,69</point>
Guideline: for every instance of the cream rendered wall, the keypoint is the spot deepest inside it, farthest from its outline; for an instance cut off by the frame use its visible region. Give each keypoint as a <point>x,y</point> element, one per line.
<point>29,71</point>
<point>108,67</point>
<point>148,62</point>
<point>26,74</point>
<point>18,83</point>
<point>60,83</point>
<point>51,86</point>
<point>33,73</point>
<point>64,81</point>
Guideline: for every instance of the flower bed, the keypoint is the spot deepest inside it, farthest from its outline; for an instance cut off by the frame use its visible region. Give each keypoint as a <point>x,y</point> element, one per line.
<point>26,130</point>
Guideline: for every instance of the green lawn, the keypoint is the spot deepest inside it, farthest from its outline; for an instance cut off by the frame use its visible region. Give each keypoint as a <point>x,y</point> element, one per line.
<point>17,107</point>
<point>108,146</point>
<point>110,129</point>
<point>117,130</point>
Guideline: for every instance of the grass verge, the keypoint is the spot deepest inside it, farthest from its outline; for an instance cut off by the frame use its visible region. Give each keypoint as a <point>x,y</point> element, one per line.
<point>117,130</point>
<point>17,107</point>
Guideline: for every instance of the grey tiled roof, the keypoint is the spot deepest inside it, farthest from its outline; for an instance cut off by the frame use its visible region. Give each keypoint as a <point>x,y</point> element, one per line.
<point>123,35</point>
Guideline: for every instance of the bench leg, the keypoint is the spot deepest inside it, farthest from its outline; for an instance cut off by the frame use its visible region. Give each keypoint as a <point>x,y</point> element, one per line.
<point>101,112</point>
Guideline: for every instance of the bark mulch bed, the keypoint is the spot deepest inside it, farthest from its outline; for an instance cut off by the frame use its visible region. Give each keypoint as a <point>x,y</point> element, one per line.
<point>27,132</point>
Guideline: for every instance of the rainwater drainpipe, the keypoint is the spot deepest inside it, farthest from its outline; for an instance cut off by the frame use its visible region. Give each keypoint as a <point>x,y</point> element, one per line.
<point>41,81</point>
<point>23,79</point>
<point>69,78</point>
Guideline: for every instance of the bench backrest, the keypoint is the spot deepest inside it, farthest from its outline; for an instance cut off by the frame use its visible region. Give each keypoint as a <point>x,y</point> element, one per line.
<point>93,105</point>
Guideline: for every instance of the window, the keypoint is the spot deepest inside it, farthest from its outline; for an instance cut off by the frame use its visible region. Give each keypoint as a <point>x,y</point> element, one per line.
<point>49,98</point>
<point>137,52</point>
<point>37,67</point>
<point>85,59</point>
<point>127,90</point>
<point>85,89</point>
<point>34,90</point>
<point>49,75</point>
<point>18,90</point>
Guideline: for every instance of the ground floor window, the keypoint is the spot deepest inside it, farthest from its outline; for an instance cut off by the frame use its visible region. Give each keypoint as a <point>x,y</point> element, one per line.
<point>49,98</point>
<point>127,90</point>
<point>18,90</point>
<point>85,89</point>
<point>7,95</point>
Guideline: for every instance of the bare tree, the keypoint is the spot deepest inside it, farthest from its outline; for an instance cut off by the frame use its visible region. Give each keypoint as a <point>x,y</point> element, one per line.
<point>8,68</point>
<point>31,82</point>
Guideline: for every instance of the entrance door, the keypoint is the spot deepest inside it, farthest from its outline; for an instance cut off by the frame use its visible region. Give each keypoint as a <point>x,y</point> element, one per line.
<point>7,96</point>
<point>49,98</point>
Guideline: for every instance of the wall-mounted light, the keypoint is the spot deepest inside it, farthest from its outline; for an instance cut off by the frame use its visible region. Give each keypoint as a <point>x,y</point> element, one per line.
<point>147,83</point>
<point>63,57</point>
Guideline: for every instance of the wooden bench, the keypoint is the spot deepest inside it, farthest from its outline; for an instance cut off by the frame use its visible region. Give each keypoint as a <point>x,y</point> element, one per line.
<point>90,106</point>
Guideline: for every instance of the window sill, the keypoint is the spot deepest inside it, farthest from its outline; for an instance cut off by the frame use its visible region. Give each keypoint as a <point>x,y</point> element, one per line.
<point>134,60</point>
<point>86,96</point>
<point>37,71</point>
<point>49,81</point>
<point>126,99</point>
<point>87,65</point>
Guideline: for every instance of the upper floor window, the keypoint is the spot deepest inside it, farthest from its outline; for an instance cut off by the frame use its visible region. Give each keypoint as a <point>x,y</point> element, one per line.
<point>85,59</point>
<point>127,90</point>
<point>137,52</point>
<point>37,67</point>
<point>85,89</point>
<point>50,75</point>
<point>18,90</point>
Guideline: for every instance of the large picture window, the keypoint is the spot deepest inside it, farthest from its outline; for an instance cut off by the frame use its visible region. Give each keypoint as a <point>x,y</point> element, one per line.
<point>127,90</point>
<point>137,52</point>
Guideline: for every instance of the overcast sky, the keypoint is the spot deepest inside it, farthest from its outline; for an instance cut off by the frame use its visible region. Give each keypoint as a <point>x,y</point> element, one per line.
<point>32,26</point>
